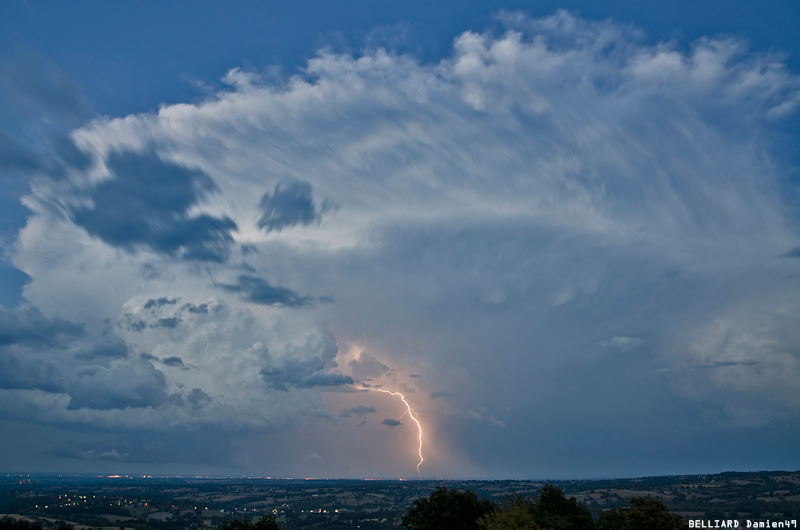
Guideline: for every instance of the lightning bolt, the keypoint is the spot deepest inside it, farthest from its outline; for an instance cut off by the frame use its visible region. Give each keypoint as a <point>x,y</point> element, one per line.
<point>411,414</point>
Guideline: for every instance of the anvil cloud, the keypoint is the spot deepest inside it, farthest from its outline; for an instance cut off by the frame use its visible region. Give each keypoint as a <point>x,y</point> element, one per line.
<point>558,234</point>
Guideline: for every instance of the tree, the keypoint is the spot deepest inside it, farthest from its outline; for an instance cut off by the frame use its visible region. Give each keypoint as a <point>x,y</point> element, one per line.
<point>644,512</point>
<point>514,515</point>
<point>266,522</point>
<point>446,509</point>
<point>553,510</point>
<point>12,524</point>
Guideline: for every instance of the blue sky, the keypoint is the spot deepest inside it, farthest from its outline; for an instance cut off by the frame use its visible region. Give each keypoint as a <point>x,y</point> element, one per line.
<point>567,232</point>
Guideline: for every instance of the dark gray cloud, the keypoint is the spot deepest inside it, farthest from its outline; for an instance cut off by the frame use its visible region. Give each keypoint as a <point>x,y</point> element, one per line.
<point>170,322</point>
<point>254,289</point>
<point>22,371</point>
<point>122,385</point>
<point>325,379</point>
<point>391,423</point>
<point>112,347</point>
<point>27,325</point>
<point>136,325</point>
<point>722,364</point>
<point>146,203</point>
<point>173,361</point>
<point>290,204</point>
<point>159,302</point>
<point>287,373</point>
<point>198,398</point>
<point>306,366</point>
<point>358,410</point>
<point>197,309</point>
<point>161,314</point>
<point>58,356</point>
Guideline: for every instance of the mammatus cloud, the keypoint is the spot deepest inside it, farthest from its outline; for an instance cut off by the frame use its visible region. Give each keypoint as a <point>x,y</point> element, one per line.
<point>542,195</point>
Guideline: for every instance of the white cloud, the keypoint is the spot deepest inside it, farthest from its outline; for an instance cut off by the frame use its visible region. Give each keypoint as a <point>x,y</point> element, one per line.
<point>498,213</point>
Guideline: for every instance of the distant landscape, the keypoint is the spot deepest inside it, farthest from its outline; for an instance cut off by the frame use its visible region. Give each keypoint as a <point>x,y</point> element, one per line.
<point>142,503</point>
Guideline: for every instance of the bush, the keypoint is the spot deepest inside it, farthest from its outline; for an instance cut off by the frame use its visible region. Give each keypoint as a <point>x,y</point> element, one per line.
<point>447,510</point>
<point>644,512</point>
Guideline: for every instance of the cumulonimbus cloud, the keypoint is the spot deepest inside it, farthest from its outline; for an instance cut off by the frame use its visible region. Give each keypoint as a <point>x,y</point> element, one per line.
<point>499,215</point>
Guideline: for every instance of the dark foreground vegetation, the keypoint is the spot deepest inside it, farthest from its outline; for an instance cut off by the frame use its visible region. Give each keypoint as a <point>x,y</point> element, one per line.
<point>6,523</point>
<point>50,502</point>
<point>550,509</point>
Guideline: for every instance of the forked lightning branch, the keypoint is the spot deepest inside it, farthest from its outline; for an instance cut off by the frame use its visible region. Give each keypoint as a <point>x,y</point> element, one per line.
<point>411,414</point>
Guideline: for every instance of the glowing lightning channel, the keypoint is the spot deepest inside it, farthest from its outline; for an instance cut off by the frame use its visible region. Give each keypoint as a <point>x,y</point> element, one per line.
<point>411,415</point>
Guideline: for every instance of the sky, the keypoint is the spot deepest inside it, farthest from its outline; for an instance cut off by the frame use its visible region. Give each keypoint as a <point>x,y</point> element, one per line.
<point>234,238</point>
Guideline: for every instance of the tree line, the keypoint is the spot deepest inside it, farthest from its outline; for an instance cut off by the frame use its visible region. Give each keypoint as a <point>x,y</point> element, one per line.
<point>550,509</point>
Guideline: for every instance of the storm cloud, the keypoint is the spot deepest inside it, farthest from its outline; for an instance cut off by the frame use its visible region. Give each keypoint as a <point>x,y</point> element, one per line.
<point>159,302</point>
<point>308,373</point>
<point>26,325</point>
<point>145,202</point>
<point>61,358</point>
<point>255,289</point>
<point>555,230</point>
<point>290,204</point>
